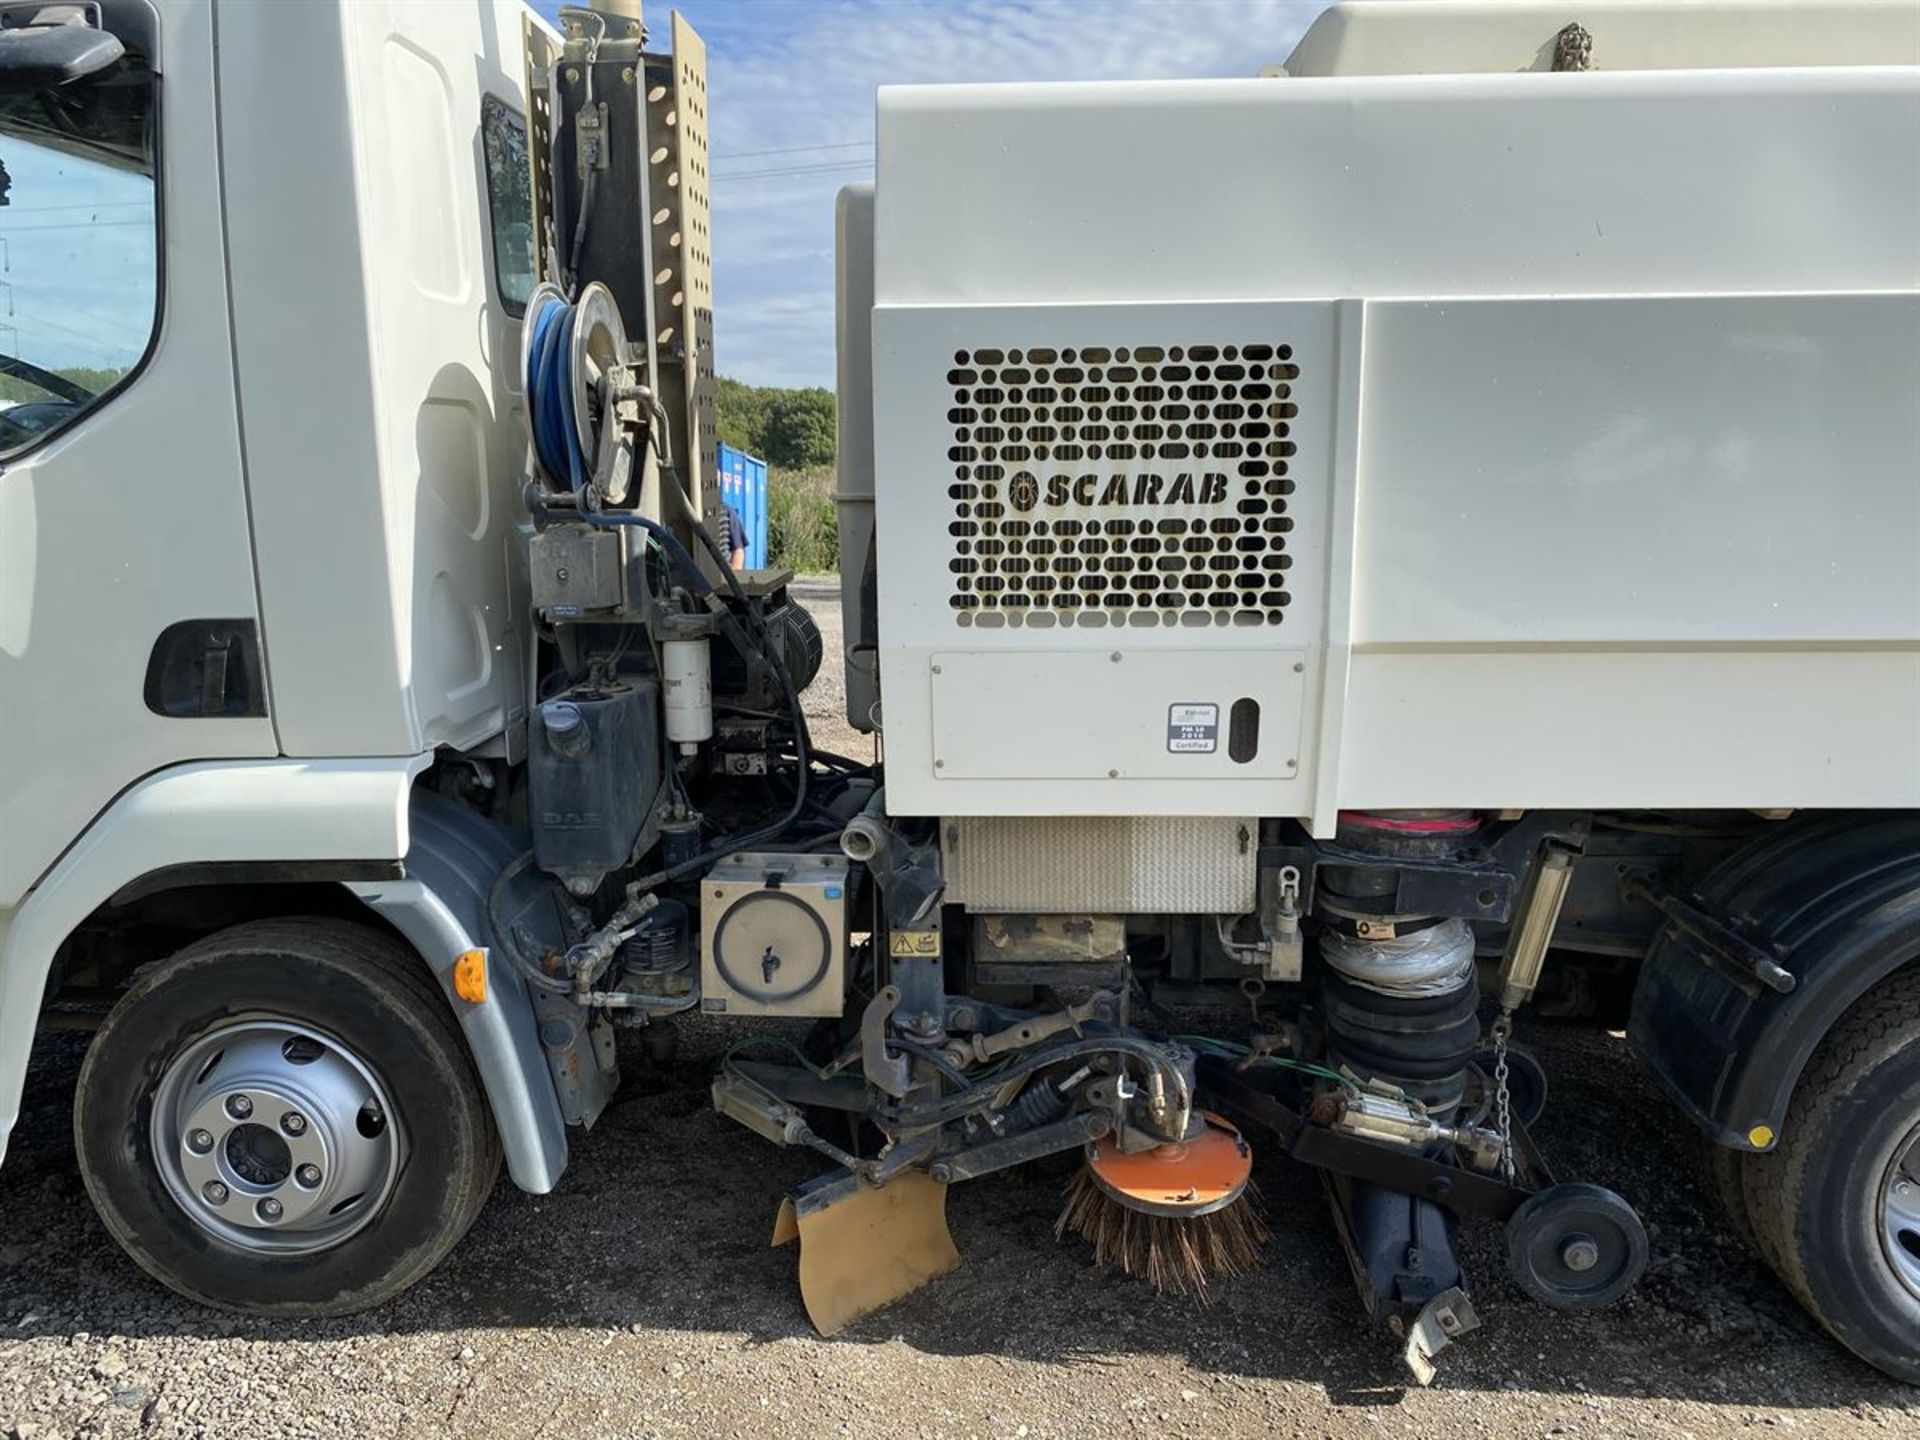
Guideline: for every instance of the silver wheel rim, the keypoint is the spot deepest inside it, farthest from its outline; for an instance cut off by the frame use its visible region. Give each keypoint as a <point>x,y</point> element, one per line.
<point>1900,1212</point>
<point>275,1137</point>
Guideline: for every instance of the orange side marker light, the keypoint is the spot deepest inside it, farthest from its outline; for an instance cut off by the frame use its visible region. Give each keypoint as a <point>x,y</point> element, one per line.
<point>470,976</point>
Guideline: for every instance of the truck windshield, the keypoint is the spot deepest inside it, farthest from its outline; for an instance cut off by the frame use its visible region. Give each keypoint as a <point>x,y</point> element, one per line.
<point>79,247</point>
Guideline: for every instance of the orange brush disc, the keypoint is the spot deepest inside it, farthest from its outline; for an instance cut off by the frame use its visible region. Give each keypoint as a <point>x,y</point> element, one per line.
<point>1194,1177</point>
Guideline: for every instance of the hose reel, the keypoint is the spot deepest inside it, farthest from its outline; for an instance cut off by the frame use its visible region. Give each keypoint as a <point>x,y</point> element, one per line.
<point>585,402</point>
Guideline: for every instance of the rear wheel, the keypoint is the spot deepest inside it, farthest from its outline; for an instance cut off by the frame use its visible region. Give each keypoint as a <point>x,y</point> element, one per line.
<point>1835,1208</point>
<point>283,1119</point>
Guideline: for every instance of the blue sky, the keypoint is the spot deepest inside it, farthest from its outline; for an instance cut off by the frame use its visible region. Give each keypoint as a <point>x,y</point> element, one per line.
<point>77,271</point>
<point>790,112</point>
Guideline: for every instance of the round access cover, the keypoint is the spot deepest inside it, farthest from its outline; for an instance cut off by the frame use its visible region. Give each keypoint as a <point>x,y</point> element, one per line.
<point>771,946</point>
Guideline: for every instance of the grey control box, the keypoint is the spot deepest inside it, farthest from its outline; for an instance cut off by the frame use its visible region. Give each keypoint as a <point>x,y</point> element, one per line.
<point>773,935</point>
<point>576,570</point>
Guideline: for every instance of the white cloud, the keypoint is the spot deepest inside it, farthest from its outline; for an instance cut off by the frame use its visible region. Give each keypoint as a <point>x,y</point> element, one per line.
<point>784,74</point>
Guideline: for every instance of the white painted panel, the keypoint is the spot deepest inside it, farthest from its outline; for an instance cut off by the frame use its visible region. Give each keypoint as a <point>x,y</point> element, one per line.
<point>1433,37</point>
<point>134,518</point>
<point>1688,468</point>
<point>1677,728</point>
<point>376,367</point>
<point>917,465</point>
<point>1114,716</point>
<point>284,810</point>
<point>1602,183</point>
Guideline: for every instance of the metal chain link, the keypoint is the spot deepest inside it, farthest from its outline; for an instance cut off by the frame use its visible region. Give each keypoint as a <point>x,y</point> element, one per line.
<point>1503,1110</point>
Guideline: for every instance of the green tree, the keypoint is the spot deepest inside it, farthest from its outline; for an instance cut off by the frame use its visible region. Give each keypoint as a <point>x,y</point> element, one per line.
<point>800,429</point>
<point>741,411</point>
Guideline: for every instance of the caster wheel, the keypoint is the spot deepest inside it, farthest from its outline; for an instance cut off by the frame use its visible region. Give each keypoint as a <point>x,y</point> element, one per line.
<point>1576,1247</point>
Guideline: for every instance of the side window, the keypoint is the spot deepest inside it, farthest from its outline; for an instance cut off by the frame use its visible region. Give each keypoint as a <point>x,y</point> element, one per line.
<point>509,201</point>
<point>79,247</point>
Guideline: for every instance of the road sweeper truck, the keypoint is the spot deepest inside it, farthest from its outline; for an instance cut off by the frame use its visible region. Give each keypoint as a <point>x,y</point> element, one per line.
<point>1335,562</point>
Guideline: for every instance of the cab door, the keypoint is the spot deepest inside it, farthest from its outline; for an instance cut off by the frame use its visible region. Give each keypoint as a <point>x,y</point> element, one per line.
<point>129,628</point>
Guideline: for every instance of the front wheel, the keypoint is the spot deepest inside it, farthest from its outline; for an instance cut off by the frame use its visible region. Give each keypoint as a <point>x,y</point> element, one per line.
<point>1835,1208</point>
<point>283,1120</point>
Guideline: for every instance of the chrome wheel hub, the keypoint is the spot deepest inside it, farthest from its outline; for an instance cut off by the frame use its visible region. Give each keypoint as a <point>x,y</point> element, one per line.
<point>275,1137</point>
<point>1900,1213</point>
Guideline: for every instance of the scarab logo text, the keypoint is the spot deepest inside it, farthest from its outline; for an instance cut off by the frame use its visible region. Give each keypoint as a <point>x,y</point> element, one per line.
<point>1112,492</point>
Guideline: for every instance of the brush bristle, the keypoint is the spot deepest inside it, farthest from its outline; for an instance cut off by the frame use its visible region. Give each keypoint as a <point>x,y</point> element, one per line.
<point>1183,1256</point>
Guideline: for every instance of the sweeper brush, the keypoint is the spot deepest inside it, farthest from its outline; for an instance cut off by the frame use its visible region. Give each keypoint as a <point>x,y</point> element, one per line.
<point>1177,1216</point>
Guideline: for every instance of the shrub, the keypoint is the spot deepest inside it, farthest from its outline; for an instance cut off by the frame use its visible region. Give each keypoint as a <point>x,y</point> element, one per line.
<point>803,527</point>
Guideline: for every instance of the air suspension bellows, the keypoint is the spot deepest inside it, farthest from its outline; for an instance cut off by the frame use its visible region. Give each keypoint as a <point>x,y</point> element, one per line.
<point>1400,992</point>
<point>1404,1009</point>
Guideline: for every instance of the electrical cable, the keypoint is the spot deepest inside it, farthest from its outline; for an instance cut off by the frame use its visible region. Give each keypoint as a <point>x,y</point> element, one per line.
<point>980,1095</point>
<point>556,437</point>
<point>933,1057</point>
<point>593,170</point>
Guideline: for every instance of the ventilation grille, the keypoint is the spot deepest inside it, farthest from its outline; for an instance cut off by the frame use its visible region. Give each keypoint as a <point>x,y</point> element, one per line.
<point>1128,486</point>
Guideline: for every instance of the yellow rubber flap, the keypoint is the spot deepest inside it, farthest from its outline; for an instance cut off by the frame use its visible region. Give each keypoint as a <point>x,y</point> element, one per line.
<point>870,1249</point>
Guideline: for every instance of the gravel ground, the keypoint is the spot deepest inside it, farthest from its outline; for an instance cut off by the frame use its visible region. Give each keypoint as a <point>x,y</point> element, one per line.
<point>641,1299</point>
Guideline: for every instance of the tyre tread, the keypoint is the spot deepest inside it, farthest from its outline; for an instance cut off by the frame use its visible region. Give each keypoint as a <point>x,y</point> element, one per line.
<point>1881,1023</point>
<point>350,947</point>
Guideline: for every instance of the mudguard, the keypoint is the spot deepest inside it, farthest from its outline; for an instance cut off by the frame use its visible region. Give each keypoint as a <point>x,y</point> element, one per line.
<point>1836,901</point>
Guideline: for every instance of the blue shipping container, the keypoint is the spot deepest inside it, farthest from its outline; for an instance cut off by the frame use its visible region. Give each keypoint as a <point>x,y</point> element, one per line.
<point>743,485</point>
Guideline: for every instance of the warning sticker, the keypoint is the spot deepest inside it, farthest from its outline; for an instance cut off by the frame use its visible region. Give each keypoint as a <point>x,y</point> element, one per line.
<point>1193,729</point>
<point>914,944</point>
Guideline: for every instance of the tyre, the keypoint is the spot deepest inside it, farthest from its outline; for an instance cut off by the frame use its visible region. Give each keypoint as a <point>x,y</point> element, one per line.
<point>1835,1207</point>
<point>283,1120</point>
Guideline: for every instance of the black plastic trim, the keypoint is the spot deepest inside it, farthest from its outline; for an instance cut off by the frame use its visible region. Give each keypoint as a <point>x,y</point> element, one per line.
<point>1835,899</point>
<point>256,872</point>
<point>206,670</point>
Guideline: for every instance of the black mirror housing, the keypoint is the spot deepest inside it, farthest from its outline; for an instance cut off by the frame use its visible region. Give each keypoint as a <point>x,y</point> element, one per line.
<point>43,57</point>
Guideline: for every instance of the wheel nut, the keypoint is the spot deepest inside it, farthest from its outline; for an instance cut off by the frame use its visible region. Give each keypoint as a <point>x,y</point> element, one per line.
<point>215,1192</point>
<point>294,1123</point>
<point>199,1141</point>
<point>239,1106</point>
<point>1579,1254</point>
<point>271,1209</point>
<point>308,1175</point>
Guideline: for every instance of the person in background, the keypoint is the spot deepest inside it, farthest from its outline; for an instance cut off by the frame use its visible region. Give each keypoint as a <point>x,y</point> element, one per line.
<point>733,536</point>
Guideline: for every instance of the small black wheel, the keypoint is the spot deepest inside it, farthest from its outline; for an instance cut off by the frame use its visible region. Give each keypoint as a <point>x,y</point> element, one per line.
<point>1576,1247</point>
<point>283,1119</point>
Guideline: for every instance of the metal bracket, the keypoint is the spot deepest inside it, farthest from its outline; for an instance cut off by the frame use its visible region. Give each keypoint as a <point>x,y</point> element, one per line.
<point>1723,943</point>
<point>1392,1167</point>
<point>1445,1318</point>
<point>590,147</point>
<point>890,1073</point>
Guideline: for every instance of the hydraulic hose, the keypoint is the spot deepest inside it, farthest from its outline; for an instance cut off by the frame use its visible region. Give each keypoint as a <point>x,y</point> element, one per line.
<point>556,439</point>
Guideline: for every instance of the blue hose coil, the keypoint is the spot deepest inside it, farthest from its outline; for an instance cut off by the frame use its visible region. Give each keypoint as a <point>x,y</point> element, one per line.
<point>556,438</point>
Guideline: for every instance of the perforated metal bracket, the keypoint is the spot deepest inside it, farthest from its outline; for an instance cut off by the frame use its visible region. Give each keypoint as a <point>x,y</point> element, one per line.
<point>680,241</point>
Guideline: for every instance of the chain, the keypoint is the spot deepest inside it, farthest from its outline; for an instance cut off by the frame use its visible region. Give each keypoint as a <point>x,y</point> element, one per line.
<point>1502,1107</point>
